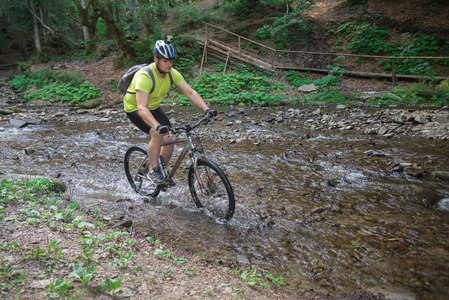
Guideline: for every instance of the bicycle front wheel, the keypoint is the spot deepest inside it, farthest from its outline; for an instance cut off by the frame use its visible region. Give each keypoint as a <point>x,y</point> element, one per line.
<point>211,190</point>
<point>136,169</point>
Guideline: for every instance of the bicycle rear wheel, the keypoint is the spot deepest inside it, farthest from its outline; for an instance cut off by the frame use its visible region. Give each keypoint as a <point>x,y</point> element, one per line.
<point>136,168</point>
<point>211,190</point>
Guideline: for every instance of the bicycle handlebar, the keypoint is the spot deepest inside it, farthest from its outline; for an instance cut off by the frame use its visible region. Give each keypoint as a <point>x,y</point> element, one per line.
<point>187,128</point>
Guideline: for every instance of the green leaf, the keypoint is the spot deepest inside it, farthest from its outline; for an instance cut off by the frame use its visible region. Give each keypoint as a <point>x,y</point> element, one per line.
<point>73,206</point>
<point>158,252</point>
<point>101,236</point>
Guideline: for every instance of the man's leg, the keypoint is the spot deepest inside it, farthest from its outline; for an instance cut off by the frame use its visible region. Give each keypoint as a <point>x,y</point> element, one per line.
<point>154,148</point>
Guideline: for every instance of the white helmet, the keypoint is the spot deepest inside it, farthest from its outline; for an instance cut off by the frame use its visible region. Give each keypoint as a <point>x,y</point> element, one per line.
<point>164,49</point>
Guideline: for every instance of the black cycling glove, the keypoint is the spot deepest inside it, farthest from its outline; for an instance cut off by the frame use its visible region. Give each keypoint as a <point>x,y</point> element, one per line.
<point>162,129</point>
<point>210,113</point>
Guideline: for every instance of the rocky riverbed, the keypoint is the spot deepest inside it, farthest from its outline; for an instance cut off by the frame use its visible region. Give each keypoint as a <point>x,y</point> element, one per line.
<point>328,195</point>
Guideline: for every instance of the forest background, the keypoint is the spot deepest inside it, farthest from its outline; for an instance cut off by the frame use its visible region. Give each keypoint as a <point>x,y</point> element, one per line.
<point>48,32</point>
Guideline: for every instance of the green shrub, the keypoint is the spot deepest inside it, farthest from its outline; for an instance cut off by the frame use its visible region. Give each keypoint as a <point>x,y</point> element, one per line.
<point>296,79</point>
<point>328,95</point>
<point>417,93</point>
<point>365,38</point>
<point>65,92</point>
<point>422,45</point>
<point>55,86</point>
<point>283,28</point>
<point>247,88</point>
<point>371,40</point>
<point>423,93</point>
<point>187,16</point>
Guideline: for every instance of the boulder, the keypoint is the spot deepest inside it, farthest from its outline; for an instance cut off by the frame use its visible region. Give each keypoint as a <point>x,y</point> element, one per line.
<point>421,119</point>
<point>308,88</point>
<point>17,123</point>
<point>89,104</point>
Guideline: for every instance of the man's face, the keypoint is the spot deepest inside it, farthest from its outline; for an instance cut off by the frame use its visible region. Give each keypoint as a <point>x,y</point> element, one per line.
<point>164,64</point>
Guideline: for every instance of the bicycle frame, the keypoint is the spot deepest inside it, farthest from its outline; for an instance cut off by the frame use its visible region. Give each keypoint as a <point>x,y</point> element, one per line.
<point>189,148</point>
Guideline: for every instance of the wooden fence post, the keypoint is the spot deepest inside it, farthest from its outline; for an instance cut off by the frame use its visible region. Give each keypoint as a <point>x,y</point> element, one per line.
<point>204,57</point>
<point>227,60</point>
<point>393,71</point>
<point>239,45</point>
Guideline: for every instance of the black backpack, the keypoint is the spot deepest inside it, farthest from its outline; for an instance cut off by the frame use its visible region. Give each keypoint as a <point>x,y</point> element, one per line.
<point>129,75</point>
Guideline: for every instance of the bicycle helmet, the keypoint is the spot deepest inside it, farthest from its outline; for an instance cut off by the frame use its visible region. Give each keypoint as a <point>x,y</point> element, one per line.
<point>163,49</point>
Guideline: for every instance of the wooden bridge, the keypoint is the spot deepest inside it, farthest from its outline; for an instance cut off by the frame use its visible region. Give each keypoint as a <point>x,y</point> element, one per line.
<point>226,46</point>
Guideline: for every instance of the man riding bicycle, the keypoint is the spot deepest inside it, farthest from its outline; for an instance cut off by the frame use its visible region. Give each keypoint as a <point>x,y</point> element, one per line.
<point>143,107</point>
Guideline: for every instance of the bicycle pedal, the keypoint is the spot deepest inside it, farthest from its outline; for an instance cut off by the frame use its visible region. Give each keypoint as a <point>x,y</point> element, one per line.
<point>169,183</point>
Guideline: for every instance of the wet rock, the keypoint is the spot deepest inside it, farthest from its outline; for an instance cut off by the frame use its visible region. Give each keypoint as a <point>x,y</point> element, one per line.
<point>6,111</point>
<point>17,123</point>
<point>59,114</point>
<point>124,223</point>
<point>442,175</point>
<point>369,218</point>
<point>371,131</point>
<point>335,209</point>
<point>89,104</point>
<point>398,120</point>
<point>373,153</point>
<point>382,131</point>
<point>421,119</point>
<point>33,121</point>
<point>319,210</point>
<point>279,119</point>
<point>441,118</point>
<point>340,106</point>
<point>28,151</point>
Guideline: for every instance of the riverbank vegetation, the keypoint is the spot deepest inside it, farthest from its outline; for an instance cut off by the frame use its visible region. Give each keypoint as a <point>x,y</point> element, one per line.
<point>51,248</point>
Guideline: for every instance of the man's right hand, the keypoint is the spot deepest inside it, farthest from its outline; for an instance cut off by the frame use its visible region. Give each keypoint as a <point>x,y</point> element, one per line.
<point>162,129</point>
<point>210,113</point>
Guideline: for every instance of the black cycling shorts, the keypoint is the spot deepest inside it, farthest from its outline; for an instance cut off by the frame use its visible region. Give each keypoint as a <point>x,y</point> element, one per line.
<point>158,114</point>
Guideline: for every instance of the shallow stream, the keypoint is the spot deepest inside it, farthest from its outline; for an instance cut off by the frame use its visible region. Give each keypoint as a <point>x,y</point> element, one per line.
<point>328,210</point>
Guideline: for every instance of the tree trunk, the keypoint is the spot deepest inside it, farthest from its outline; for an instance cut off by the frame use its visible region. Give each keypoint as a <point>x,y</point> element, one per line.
<point>112,28</point>
<point>37,41</point>
<point>124,7</point>
<point>133,9</point>
<point>86,32</point>
<point>144,20</point>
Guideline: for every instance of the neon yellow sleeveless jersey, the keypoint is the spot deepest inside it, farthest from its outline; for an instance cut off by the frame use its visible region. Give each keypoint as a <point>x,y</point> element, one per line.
<point>142,82</point>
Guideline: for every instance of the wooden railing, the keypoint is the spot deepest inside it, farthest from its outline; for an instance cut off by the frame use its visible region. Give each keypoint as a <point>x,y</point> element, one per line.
<point>12,59</point>
<point>276,58</point>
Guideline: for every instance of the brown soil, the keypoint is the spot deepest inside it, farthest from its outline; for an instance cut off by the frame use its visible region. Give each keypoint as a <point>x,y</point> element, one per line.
<point>146,276</point>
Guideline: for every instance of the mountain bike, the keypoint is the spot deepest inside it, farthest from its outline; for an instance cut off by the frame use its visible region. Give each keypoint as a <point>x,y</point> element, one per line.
<point>209,187</point>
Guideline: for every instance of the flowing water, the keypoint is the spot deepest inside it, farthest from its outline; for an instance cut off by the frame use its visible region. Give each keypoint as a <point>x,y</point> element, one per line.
<point>332,210</point>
